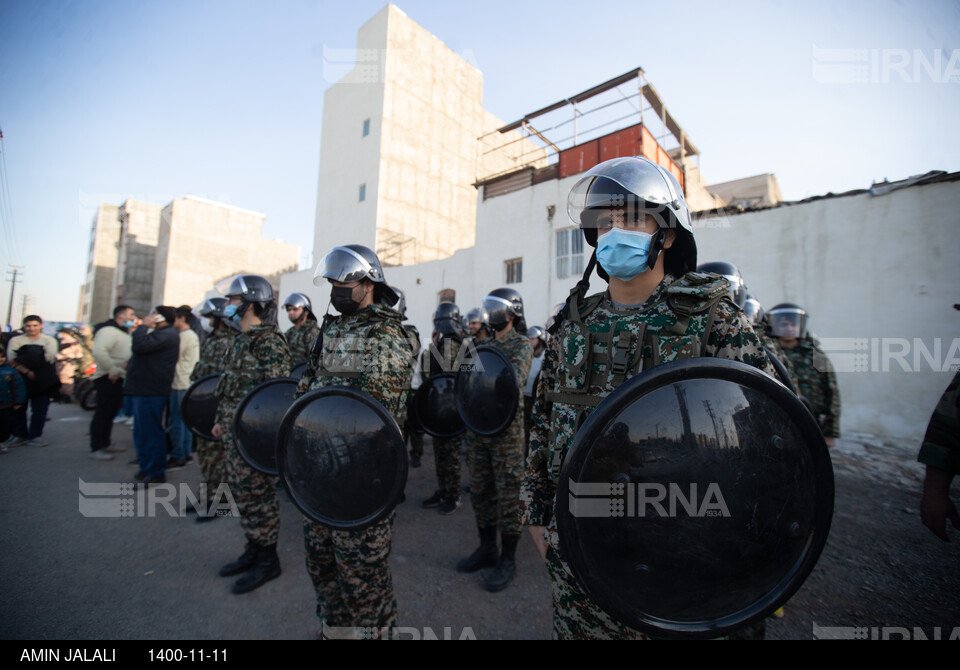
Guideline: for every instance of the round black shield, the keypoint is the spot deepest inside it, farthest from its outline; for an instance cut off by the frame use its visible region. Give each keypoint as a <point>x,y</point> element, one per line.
<point>487,392</point>
<point>199,406</point>
<point>695,499</point>
<point>298,370</point>
<point>780,369</point>
<point>341,457</point>
<point>435,406</point>
<point>257,421</point>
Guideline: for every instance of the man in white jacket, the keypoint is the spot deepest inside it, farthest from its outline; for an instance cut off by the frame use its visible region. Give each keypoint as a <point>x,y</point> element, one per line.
<point>180,436</point>
<point>111,351</point>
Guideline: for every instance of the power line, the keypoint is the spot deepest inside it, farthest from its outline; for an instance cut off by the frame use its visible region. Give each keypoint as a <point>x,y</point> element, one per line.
<point>6,208</point>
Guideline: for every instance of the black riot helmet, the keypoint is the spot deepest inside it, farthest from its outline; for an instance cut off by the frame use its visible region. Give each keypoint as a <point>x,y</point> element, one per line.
<point>501,302</point>
<point>353,262</point>
<point>446,319</point>
<point>636,186</point>
<point>253,290</point>
<point>212,307</point>
<point>730,272</point>
<point>788,319</point>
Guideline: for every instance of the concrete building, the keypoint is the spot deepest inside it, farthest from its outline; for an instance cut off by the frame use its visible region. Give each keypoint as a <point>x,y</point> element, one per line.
<point>96,294</point>
<point>137,248</point>
<point>851,259</point>
<point>201,242</point>
<point>143,255</point>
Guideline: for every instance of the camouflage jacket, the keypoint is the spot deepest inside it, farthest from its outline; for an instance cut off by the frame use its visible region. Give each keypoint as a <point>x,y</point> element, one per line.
<point>368,351</point>
<point>254,357</point>
<point>665,328</point>
<point>817,383</point>
<point>773,345</point>
<point>941,443</point>
<point>300,340</point>
<point>213,353</point>
<point>441,357</point>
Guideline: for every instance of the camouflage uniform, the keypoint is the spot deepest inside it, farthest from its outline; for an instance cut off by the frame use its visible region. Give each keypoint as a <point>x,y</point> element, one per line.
<point>446,450</point>
<point>496,463</point>
<point>349,569</point>
<point>210,453</point>
<point>254,357</point>
<point>659,333</point>
<point>300,339</point>
<point>941,443</point>
<point>773,344</point>
<point>412,431</point>
<point>817,383</point>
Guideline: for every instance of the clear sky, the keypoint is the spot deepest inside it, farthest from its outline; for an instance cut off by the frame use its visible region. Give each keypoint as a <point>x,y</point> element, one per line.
<point>104,100</point>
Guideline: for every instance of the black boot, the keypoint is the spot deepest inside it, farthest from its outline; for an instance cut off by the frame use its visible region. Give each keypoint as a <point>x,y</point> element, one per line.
<point>485,556</point>
<point>506,567</point>
<point>266,568</point>
<point>242,564</point>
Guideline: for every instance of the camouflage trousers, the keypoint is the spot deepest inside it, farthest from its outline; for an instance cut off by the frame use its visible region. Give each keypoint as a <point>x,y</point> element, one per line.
<point>351,574</point>
<point>446,454</point>
<point>416,444</point>
<point>213,467</point>
<point>256,496</point>
<point>575,615</point>
<point>496,471</point>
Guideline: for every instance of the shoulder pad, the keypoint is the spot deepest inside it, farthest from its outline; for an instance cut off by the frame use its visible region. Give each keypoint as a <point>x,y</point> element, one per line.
<point>695,292</point>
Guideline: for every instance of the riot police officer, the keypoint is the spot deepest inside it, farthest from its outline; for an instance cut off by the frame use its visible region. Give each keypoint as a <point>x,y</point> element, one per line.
<point>304,331</point>
<point>439,358</point>
<point>538,340</point>
<point>817,381</point>
<point>496,462</point>
<point>257,354</point>
<point>655,309</point>
<point>365,348</point>
<point>213,353</point>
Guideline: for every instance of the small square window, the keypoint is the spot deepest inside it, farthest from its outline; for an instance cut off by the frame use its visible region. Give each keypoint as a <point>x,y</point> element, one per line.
<point>514,270</point>
<point>363,192</point>
<point>366,127</point>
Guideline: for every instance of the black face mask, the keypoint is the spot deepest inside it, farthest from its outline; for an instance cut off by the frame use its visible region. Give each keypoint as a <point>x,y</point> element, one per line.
<point>342,299</point>
<point>499,326</point>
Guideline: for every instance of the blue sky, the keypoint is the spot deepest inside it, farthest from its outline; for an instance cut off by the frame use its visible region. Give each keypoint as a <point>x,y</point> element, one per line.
<point>101,101</point>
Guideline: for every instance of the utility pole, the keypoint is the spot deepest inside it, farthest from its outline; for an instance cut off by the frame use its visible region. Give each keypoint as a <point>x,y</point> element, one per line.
<point>13,284</point>
<point>24,310</point>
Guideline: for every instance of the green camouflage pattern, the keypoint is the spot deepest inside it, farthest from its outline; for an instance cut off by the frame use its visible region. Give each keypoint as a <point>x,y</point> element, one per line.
<point>300,339</point>
<point>254,357</point>
<point>351,576</point>
<point>210,453</point>
<point>213,353</point>
<point>661,330</point>
<point>817,383</point>
<point>496,462</point>
<point>446,450</point>
<point>941,443</point>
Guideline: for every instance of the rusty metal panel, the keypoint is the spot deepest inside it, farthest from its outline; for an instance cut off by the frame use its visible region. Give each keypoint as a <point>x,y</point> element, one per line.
<point>546,173</point>
<point>508,183</point>
<point>579,158</point>
<point>624,142</point>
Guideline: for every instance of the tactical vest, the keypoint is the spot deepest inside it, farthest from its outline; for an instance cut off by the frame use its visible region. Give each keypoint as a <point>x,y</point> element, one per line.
<point>597,356</point>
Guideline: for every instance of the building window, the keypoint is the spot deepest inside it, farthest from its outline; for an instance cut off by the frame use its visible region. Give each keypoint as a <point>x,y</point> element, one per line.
<point>366,127</point>
<point>363,192</point>
<point>514,269</point>
<point>447,295</point>
<point>569,253</point>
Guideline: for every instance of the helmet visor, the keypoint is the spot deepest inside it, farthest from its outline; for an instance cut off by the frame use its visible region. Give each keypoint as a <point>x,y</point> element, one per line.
<point>342,265</point>
<point>788,322</point>
<point>751,309</point>
<point>496,309</point>
<point>233,286</point>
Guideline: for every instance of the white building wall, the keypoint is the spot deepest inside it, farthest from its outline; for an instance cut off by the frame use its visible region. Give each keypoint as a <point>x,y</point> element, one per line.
<point>884,268</point>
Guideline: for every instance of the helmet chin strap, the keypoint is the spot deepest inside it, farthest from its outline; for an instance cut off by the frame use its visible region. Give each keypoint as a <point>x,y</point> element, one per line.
<point>571,308</point>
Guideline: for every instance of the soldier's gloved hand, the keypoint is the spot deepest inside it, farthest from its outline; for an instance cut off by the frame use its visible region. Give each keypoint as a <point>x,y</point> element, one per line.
<point>216,431</point>
<point>935,505</point>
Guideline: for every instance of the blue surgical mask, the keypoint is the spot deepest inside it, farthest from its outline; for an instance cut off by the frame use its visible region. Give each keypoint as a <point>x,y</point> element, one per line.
<point>624,253</point>
<point>230,312</point>
<point>128,323</point>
